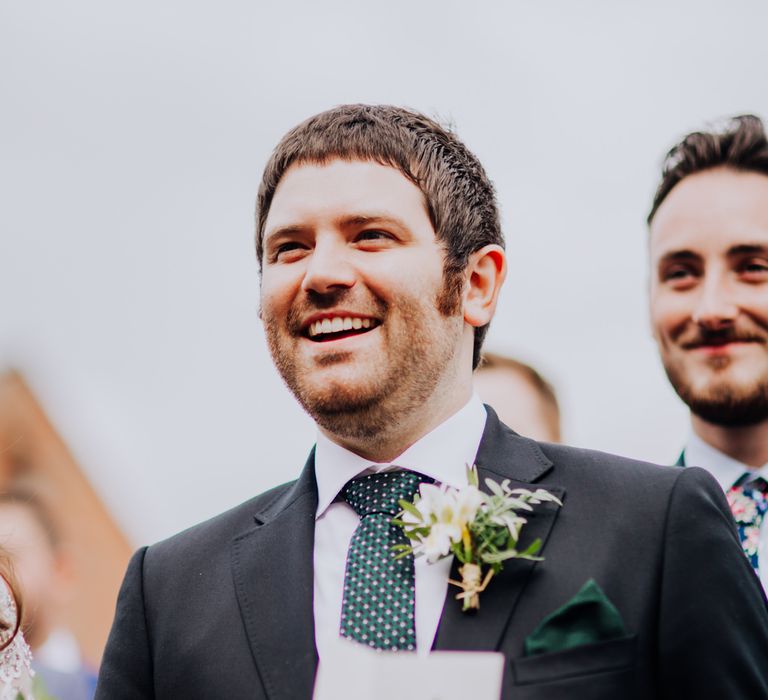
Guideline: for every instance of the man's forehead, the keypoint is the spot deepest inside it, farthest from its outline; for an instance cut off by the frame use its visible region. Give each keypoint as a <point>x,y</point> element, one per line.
<point>712,212</point>
<point>347,171</point>
<point>358,188</point>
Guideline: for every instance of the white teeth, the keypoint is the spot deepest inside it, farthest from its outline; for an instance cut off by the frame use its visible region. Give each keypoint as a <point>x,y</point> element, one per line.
<point>337,324</point>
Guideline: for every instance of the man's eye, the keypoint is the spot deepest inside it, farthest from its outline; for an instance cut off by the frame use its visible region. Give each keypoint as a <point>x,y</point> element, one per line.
<point>288,247</point>
<point>677,274</point>
<point>286,251</point>
<point>755,268</point>
<point>373,235</point>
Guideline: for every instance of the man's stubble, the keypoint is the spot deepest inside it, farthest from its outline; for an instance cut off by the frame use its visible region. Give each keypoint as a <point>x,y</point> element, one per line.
<point>415,366</point>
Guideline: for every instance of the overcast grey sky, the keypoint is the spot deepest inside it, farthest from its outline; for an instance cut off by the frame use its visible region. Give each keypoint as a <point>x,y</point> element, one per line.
<point>132,137</point>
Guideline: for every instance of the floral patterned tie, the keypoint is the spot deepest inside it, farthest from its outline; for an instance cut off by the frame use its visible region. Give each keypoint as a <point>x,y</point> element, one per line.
<point>378,605</point>
<point>749,504</point>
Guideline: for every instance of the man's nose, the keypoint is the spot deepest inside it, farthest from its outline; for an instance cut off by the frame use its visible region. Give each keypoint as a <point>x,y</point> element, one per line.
<point>329,268</point>
<point>716,307</point>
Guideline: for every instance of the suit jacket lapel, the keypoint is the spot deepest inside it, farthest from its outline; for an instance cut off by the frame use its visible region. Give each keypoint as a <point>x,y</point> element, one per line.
<point>272,567</point>
<point>502,455</point>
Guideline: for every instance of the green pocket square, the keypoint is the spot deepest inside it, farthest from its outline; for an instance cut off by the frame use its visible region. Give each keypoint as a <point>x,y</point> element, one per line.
<point>587,618</point>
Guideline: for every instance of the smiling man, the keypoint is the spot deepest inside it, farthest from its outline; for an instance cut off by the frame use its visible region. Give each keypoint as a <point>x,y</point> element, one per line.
<point>381,259</point>
<point>358,318</point>
<point>709,310</point>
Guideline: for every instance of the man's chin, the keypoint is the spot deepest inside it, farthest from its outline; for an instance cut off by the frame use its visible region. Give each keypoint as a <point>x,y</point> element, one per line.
<point>729,407</point>
<point>730,415</point>
<point>722,398</point>
<point>337,398</point>
<point>346,401</point>
<point>352,417</point>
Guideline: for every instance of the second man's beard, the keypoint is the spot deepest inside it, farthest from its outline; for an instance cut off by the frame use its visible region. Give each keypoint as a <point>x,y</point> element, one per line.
<point>724,405</point>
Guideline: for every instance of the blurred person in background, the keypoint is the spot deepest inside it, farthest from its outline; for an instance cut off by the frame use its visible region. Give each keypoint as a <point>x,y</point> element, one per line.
<point>709,310</point>
<point>524,400</point>
<point>31,538</point>
<point>15,656</point>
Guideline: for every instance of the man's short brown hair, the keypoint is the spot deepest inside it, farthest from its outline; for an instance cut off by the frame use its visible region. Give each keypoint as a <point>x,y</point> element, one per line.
<point>459,197</point>
<point>741,145</point>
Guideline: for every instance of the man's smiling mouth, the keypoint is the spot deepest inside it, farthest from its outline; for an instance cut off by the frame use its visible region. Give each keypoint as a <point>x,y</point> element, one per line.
<point>336,327</point>
<point>721,343</point>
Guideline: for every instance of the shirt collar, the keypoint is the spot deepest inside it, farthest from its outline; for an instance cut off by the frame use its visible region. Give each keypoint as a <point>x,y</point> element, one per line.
<point>726,470</point>
<point>442,454</point>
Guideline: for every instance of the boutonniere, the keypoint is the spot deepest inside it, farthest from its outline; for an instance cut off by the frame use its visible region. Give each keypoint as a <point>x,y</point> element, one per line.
<point>480,529</point>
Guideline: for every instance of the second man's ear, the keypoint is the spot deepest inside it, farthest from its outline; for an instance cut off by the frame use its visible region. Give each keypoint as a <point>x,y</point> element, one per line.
<point>485,274</point>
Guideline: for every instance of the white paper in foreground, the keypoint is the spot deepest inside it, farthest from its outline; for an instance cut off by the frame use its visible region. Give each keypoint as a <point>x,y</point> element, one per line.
<point>350,670</point>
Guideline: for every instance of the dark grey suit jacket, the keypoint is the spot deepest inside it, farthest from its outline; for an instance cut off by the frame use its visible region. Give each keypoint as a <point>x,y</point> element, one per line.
<point>224,609</point>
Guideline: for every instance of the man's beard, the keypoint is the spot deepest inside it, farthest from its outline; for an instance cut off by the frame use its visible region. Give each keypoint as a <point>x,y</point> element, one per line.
<point>414,368</point>
<point>724,401</point>
<point>723,404</point>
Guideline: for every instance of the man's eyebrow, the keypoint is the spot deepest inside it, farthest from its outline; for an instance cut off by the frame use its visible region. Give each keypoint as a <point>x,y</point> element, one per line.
<point>748,249</point>
<point>287,230</point>
<point>368,219</point>
<point>684,255</point>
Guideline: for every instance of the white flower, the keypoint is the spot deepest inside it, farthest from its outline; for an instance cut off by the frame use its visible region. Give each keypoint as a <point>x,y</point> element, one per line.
<point>437,543</point>
<point>468,502</point>
<point>446,511</point>
<point>434,502</point>
<point>449,506</point>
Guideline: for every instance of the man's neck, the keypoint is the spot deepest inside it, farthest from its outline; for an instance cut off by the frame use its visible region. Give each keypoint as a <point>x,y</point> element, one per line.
<point>396,437</point>
<point>748,444</point>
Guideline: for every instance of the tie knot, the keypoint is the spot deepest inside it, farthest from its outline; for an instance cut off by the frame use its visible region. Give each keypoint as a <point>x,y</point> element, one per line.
<point>756,486</point>
<point>381,493</point>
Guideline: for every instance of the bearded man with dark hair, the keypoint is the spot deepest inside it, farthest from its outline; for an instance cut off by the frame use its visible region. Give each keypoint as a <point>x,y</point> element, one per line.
<point>709,309</point>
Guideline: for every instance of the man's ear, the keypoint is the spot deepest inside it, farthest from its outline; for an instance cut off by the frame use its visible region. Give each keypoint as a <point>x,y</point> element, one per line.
<point>485,273</point>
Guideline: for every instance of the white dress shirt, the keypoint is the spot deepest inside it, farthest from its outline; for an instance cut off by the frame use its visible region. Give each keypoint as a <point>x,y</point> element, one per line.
<point>727,471</point>
<point>442,454</point>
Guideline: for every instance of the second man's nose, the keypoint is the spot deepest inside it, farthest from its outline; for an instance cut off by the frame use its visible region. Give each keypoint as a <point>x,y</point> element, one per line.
<point>715,307</point>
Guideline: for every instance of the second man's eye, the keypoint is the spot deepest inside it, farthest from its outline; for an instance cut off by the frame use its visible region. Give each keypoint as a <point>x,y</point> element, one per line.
<point>677,273</point>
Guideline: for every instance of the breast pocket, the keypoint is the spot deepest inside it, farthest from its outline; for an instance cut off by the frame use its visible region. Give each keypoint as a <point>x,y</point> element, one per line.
<point>602,671</point>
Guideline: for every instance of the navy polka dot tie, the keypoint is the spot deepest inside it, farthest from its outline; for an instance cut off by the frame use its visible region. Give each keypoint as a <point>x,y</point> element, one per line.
<point>378,606</point>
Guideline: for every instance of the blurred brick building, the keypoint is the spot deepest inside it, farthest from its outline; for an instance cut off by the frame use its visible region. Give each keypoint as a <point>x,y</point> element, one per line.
<point>32,453</point>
